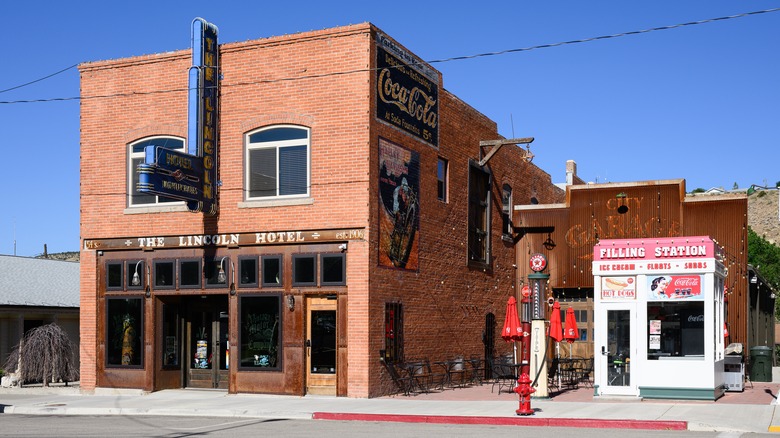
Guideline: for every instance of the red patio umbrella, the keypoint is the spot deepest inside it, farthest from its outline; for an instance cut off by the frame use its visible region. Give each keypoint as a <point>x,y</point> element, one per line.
<point>556,330</point>
<point>570,331</point>
<point>512,329</point>
<point>556,334</point>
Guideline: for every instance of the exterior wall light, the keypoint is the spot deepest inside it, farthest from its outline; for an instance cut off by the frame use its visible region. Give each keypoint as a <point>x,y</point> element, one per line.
<point>221,277</point>
<point>290,303</point>
<point>136,278</point>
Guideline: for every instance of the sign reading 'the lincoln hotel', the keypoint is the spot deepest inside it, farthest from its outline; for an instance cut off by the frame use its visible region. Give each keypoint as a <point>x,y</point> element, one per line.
<point>407,92</point>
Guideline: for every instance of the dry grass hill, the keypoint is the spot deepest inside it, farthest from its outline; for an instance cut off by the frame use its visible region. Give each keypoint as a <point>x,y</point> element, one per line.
<point>764,214</point>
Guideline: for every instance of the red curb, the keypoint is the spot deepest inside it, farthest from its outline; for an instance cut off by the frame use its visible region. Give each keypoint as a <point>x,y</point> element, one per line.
<point>507,421</point>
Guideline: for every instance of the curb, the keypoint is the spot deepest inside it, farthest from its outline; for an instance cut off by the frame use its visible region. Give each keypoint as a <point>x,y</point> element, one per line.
<point>508,421</point>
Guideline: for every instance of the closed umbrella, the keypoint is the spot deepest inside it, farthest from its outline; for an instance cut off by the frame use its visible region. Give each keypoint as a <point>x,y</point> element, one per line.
<point>570,331</point>
<point>556,330</point>
<point>556,334</point>
<point>512,330</point>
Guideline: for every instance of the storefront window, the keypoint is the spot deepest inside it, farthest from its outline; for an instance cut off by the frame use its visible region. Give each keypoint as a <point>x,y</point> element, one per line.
<point>333,269</point>
<point>189,273</point>
<point>247,271</point>
<point>675,329</point>
<point>136,274</point>
<point>260,332</point>
<point>217,271</point>
<point>272,271</point>
<point>163,275</point>
<point>114,276</point>
<point>304,270</point>
<point>124,325</point>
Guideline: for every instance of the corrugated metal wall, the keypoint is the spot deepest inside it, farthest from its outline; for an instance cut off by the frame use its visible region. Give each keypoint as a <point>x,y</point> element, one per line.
<point>635,210</point>
<point>725,220</point>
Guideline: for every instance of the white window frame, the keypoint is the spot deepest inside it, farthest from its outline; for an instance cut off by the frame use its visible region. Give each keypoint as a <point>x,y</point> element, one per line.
<point>131,170</point>
<point>276,145</point>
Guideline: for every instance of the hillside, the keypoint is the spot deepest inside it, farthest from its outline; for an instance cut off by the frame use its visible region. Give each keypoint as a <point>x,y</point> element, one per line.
<point>764,215</point>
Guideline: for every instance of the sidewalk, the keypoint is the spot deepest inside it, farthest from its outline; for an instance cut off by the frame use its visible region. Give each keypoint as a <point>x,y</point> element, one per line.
<point>473,405</point>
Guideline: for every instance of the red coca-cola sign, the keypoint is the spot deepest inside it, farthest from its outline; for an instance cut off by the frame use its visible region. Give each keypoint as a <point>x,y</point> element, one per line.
<point>684,286</point>
<point>675,287</point>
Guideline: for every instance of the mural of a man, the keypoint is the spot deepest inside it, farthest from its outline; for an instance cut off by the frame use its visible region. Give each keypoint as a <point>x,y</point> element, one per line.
<point>399,176</point>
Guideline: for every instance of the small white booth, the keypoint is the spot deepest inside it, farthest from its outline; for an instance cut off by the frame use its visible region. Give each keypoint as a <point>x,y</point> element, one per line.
<point>659,318</point>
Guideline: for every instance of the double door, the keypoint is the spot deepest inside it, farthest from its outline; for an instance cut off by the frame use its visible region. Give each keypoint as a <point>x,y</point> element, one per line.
<point>207,346</point>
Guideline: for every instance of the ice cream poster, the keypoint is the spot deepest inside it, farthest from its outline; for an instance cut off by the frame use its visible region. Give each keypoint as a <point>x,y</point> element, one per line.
<point>675,287</point>
<point>618,287</point>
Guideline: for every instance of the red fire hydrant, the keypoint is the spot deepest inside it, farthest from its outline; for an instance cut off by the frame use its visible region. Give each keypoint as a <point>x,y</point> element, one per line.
<point>524,390</point>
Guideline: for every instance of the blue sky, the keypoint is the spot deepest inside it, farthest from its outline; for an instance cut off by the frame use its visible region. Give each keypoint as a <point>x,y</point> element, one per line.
<point>697,102</point>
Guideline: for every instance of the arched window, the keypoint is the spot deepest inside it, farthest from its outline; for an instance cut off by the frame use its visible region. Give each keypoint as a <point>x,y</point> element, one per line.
<point>277,162</point>
<point>135,156</point>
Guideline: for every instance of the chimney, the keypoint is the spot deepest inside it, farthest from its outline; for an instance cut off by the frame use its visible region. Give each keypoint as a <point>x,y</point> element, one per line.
<point>571,172</point>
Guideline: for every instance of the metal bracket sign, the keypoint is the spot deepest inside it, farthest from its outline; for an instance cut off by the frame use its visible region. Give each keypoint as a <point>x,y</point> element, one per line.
<point>170,173</point>
<point>191,177</point>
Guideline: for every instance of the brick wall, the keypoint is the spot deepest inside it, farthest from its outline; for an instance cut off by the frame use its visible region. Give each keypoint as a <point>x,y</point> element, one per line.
<point>287,80</point>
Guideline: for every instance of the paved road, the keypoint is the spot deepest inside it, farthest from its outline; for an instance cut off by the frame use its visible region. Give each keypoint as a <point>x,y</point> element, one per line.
<point>215,427</point>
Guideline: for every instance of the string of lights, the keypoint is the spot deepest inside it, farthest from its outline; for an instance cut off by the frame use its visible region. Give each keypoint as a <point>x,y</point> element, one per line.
<point>435,61</point>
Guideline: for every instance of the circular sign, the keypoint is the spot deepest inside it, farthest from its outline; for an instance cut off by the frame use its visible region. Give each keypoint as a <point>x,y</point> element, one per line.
<point>526,291</point>
<point>537,262</point>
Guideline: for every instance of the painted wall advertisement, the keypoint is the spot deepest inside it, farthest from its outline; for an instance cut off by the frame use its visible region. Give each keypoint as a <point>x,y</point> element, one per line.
<point>618,288</point>
<point>407,92</point>
<point>674,287</point>
<point>399,216</point>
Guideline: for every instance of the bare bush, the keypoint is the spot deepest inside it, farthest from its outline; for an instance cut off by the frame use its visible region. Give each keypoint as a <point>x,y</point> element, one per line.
<point>47,355</point>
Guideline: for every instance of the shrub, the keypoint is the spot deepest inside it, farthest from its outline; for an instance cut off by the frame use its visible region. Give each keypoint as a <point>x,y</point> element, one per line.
<point>47,355</point>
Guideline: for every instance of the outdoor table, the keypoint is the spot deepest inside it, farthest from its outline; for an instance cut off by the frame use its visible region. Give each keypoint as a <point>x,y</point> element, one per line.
<point>455,370</point>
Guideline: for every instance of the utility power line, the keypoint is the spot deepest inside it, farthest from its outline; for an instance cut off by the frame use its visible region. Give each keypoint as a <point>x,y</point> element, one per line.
<point>456,58</point>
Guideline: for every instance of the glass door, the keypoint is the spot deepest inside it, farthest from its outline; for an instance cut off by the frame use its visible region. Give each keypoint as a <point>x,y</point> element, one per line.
<point>321,346</point>
<point>616,350</point>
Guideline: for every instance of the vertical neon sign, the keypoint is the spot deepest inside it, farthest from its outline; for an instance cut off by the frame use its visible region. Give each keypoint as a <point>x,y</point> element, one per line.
<point>202,110</point>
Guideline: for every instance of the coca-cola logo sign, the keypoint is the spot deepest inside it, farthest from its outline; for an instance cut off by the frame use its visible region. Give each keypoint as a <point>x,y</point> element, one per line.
<point>674,287</point>
<point>687,281</point>
<point>695,318</point>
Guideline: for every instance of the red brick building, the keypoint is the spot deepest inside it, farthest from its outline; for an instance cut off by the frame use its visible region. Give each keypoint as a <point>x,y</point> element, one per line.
<point>354,220</point>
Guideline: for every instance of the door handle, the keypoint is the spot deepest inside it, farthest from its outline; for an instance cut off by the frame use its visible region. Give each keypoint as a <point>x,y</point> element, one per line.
<point>604,351</point>
<point>308,347</point>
